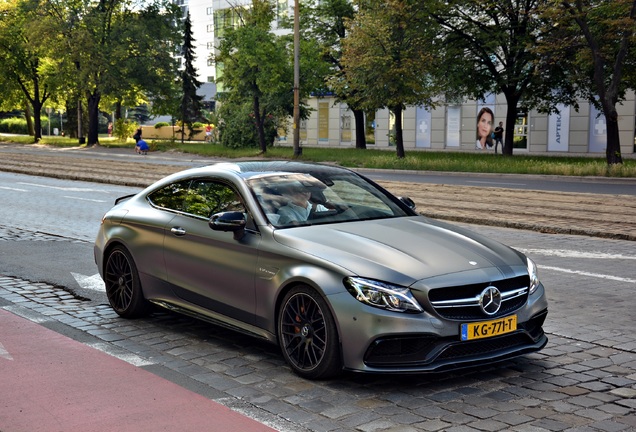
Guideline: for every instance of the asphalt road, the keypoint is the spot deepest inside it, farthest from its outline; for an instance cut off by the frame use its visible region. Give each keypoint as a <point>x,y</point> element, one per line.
<point>606,214</point>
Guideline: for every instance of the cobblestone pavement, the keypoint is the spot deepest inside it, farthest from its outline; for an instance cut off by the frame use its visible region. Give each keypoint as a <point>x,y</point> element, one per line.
<point>584,380</point>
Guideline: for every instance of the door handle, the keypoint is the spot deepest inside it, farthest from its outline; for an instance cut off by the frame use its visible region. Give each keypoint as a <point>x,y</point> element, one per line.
<point>178,231</point>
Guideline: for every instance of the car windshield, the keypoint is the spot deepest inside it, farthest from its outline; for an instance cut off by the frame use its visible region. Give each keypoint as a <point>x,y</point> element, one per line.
<point>293,199</point>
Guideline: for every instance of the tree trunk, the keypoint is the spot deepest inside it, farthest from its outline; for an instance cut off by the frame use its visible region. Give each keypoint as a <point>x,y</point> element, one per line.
<point>613,149</point>
<point>117,110</point>
<point>93,118</point>
<point>260,128</point>
<point>399,135</point>
<point>511,119</point>
<point>37,121</point>
<point>361,132</point>
<point>29,119</point>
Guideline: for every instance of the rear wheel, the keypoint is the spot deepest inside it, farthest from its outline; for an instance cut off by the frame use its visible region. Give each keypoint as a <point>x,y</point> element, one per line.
<point>308,336</point>
<point>122,284</point>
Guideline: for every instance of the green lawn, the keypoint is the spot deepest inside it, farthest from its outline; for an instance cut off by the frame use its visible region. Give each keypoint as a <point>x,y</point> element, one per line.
<point>386,159</point>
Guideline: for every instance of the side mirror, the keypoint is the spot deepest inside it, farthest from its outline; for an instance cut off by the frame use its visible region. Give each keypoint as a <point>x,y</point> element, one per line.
<point>228,221</point>
<point>407,202</point>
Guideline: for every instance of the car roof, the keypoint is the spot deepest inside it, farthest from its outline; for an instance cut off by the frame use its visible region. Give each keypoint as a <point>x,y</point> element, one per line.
<point>249,169</point>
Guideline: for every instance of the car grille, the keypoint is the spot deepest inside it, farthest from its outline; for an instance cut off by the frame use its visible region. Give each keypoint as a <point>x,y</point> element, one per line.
<point>430,352</point>
<point>462,302</point>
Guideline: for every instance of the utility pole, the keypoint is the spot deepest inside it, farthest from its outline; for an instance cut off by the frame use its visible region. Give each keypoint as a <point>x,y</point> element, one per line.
<point>297,149</point>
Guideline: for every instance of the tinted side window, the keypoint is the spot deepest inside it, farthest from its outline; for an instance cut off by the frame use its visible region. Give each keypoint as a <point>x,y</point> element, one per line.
<point>206,198</point>
<point>171,197</point>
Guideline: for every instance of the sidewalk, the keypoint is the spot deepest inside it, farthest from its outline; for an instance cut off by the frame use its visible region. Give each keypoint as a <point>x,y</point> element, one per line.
<point>51,383</point>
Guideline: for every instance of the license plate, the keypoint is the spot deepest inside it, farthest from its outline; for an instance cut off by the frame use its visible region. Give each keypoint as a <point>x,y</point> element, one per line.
<point>484,329</point>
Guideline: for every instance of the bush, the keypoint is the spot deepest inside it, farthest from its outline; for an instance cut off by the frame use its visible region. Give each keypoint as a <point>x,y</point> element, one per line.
<point>124,129</point>
<point>161,124</point>
<point>14,125</point>
<point>237,128</point>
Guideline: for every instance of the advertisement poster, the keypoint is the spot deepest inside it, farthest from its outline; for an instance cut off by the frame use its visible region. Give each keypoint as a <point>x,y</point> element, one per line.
<point>453,122</point>
<point>323,121</point>
<point>423,130</point>
<point>559,129</point>
<point>598,131</point>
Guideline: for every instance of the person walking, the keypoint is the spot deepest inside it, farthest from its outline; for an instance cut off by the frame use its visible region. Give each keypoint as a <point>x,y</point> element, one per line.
<point>499,130</point>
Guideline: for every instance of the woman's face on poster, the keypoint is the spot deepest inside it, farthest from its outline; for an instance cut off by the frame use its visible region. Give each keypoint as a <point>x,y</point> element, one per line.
<point>484,127</point>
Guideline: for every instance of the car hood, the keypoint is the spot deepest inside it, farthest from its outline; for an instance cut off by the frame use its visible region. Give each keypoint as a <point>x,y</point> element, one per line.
<point>402,250</point>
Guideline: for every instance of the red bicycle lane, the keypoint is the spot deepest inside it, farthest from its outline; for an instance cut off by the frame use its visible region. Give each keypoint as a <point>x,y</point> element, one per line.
<point>52,383</point>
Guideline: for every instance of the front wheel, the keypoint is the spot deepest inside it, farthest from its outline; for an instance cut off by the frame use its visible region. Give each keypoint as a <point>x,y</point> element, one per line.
<point>308,336</point>
<point>123,287</point>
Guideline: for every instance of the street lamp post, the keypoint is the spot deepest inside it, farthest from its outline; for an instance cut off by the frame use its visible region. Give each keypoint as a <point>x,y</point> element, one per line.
<point>48,115</point>
<point>297,149</point>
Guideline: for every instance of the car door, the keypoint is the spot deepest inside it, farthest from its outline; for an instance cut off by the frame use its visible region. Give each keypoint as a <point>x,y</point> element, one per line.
<point>211,268</point>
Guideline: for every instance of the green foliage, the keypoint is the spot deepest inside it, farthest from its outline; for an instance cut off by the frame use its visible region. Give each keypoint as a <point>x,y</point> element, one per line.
<point>387,59</point>
<point>14,126</point>
<point>161,124</point>
<point>190,108</point>
<point>257,70</point>
<point>238,127</point>
<point>123,129</point>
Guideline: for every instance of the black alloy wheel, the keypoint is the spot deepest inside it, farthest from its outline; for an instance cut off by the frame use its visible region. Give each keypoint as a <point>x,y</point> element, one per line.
<point>122,284</point>
<point>308,335</point>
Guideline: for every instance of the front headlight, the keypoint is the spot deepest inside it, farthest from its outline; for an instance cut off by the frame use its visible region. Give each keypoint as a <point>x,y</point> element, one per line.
<point>534,275</point>
<point>382,295</point>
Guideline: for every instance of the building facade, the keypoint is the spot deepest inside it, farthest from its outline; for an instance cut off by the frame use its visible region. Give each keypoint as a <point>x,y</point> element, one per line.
<point>446,127</point>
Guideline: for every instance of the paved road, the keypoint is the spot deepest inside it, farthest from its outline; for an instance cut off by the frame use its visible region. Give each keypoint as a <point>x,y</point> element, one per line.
<point>603,215</point>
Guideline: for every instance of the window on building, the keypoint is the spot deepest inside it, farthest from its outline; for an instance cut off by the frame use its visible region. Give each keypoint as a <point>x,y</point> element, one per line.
<point>210,46</point>
<point>282,13</point>
<point>209,10</point>
<point>224,19</point>
<point>210,28</point>
<point>521,129</point>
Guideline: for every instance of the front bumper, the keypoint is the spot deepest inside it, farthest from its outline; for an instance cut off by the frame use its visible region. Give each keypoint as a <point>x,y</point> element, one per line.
<point>383,342</point>
<point>436,354</point>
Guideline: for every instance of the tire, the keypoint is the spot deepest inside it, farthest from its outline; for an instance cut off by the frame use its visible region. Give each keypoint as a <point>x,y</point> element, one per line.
<point>308,336</point>
<point>123,287</point>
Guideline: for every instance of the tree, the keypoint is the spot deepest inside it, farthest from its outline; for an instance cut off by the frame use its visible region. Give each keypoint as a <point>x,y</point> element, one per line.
<point>114,47</point>
<point>486,47</point>
<point>595,42</point>
<point>326,22</point>
<point>27,65</point>
<point>190,108</point>
<point>256,67</point>
<point>386,59</point>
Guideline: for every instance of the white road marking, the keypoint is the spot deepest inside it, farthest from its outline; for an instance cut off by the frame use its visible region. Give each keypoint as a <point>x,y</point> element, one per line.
<point>496,183</point>
<point>84,199</point>
<point>132,359</point>
<point>94,282</point>
<point>4,353</point>
<point>13,189</point>
<point>69,189</point>
<point>584,273</point>
<point>563,253</point>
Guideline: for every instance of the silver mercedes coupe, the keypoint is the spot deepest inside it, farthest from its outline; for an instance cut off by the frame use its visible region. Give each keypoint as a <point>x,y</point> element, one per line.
<point>337,271</point>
